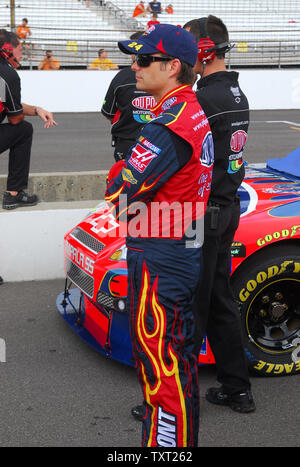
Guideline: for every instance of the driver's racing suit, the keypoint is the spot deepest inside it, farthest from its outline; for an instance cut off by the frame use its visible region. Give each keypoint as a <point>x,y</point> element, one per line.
<point>171,162</point>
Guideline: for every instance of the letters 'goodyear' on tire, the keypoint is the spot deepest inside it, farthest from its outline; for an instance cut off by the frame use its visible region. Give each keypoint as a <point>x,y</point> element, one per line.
<point>267,288</point>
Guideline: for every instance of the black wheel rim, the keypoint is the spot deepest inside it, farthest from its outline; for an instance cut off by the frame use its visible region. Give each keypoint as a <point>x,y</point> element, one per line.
<point>273,317</point>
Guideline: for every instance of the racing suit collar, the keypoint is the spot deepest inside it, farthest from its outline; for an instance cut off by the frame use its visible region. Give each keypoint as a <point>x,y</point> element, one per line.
<point>158,108</point>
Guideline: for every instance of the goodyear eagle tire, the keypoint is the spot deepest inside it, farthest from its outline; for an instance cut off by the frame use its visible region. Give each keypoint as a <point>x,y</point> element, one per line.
<point>267,288</point>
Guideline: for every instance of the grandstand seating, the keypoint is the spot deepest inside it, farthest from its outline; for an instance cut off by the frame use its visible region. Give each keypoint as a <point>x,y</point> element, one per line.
<point>266,32</point>
<point>73,31</point>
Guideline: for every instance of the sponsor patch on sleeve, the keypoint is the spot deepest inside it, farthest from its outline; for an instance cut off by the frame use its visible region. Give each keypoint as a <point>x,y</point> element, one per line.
<point>238,140</point>
<point>128,177</point>
<point>141,158</point>
<point>149,145</point>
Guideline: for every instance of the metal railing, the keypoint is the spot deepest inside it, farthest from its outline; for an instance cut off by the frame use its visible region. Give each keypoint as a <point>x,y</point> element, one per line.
<point>65,28</point>
<point>80,53</point>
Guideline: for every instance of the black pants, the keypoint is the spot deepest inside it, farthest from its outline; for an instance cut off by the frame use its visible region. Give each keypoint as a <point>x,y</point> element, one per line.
<point>18,139</point>
<point>122,147</point>
<point>215,310</point>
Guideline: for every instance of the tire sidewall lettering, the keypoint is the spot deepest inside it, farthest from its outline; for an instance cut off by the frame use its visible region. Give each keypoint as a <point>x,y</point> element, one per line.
<point>262,276</point>
<point>258,358</point>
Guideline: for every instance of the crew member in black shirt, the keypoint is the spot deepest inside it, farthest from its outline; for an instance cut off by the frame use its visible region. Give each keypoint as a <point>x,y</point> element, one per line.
<point>127,108</point>
<point>216,311</point>
<point>16,135</point>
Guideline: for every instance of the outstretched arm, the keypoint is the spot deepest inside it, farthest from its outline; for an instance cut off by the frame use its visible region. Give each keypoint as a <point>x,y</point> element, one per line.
<point>45,115</point>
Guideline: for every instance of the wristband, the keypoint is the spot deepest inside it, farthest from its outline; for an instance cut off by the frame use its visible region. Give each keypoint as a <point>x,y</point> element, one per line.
<point>35,111</point>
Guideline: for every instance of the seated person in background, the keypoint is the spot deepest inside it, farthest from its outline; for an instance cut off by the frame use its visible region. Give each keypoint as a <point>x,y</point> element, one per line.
<point>102,62</point>
<point>140,10</point>
<point>169,9</point>
<point>23,30</point>
<point>49,63</point>
<point>153,21</point>
<point>154,7</point>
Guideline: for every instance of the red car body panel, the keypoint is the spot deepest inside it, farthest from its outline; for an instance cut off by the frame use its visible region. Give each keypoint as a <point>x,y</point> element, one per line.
<point>270,213</point>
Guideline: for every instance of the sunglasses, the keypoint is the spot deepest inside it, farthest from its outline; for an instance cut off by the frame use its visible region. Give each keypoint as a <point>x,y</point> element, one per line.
<point>145,60</point>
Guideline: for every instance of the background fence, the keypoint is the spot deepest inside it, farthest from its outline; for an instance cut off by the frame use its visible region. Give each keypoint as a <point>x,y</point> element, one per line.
<point>266,33</point>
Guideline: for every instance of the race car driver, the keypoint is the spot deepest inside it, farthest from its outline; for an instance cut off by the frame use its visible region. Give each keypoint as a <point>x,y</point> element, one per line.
<point>127,108</point>
<point>227,109</point>
<point>170,163</point>
<point>16,135</point>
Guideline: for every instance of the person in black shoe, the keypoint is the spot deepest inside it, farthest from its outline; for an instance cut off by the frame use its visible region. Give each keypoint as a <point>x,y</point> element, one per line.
<point>239,402</point>
<point>215,310</point>
<point>16,135</point>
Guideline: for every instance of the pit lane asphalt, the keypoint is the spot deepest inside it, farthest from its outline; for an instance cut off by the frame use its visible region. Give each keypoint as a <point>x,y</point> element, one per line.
<point>56,391</point>
<point>82,142</point>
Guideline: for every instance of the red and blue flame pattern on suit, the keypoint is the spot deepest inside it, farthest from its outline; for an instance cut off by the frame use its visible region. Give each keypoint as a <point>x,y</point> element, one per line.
<point>160,292</point>
<point>162,272</point>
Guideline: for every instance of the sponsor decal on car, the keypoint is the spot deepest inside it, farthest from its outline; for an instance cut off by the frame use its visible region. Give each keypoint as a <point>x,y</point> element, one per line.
<point>79,258</point>
<point>238,250</point>
<point>284,233</point>
<point>103,224</point>
<point>284,188</point>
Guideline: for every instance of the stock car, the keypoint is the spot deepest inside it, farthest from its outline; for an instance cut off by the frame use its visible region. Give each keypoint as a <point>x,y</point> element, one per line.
<point>265,274</point>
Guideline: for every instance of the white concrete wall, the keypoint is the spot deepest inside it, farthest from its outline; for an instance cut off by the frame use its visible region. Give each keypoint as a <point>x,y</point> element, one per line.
<point>31,246</point>
<point>84,91</point>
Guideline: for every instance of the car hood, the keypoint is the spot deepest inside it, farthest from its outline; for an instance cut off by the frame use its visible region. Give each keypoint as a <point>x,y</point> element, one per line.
<point>264,189</point>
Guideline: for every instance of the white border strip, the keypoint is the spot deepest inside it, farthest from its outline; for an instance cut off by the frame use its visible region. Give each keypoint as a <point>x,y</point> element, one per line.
<point>253,198</point>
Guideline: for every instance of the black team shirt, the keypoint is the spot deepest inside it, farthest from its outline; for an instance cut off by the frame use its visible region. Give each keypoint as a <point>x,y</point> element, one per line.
<point>227,110</point>
<point>128,107</point>
<point>10,91</point>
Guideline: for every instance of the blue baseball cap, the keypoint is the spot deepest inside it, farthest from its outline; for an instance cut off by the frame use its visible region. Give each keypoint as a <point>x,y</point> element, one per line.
<point>164,38</point>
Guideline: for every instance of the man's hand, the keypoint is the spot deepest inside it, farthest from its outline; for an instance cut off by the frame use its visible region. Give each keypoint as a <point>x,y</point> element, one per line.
<point>46,117</point>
